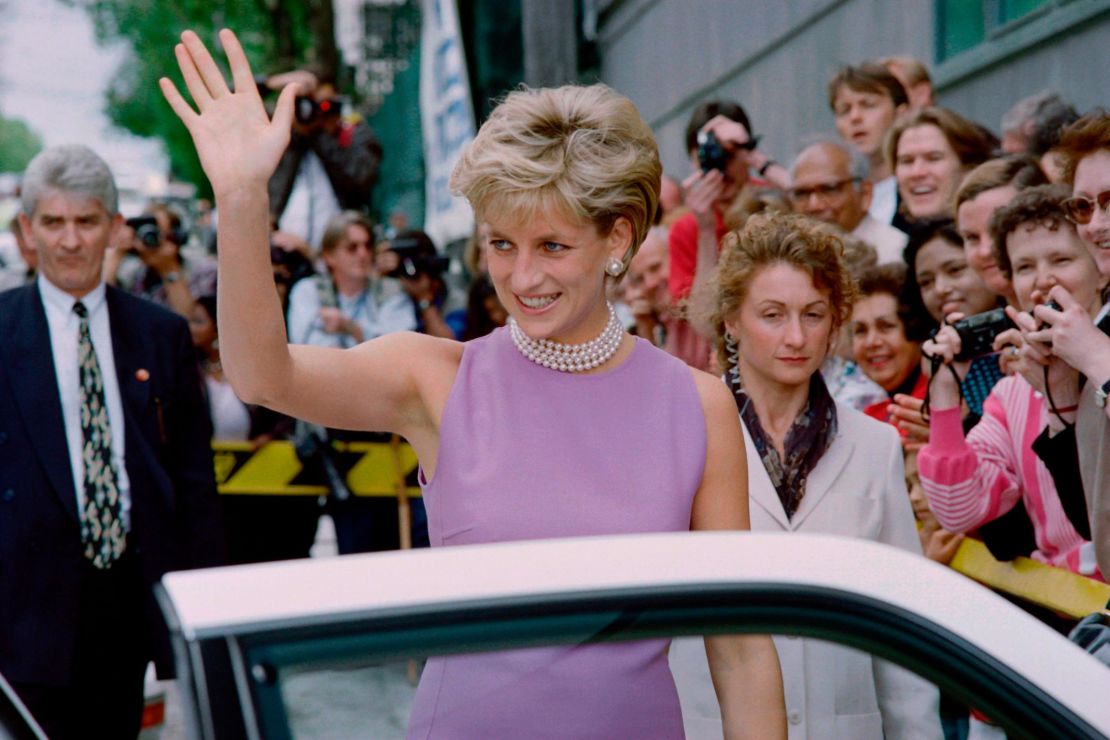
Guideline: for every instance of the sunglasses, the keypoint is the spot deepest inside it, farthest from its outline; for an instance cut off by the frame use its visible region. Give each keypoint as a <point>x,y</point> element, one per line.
<point>1080,210</point>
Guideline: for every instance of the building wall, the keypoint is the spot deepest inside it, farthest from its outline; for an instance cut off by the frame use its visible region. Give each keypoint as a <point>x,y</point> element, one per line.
<point>776,57</point>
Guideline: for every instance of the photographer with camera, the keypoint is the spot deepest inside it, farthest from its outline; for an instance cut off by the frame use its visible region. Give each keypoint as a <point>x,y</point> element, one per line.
<point>412,259</point>
<point>1084,152</point>
<point>722,152</point>
<point>972,480</point>
<point>351,303</point>
<point>166,277</point>
<point>330,165</point>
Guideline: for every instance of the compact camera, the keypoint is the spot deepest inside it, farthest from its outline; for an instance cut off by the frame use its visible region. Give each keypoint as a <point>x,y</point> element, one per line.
<point>146,230</point>
<point>308,109</point>
<point>711,155</point>
<point>977,333</point>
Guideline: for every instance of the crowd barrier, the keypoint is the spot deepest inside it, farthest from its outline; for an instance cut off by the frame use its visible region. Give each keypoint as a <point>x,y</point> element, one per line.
<point>371,469</point>
<point>389,468</point>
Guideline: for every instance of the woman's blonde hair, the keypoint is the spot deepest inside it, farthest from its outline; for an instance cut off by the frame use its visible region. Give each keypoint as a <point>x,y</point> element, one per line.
<point>581,151</point>
<point>778,238</point>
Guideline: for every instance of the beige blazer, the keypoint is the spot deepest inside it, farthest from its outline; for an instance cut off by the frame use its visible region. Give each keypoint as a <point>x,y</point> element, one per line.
<point>858,489</point>
<point>1092,434</point>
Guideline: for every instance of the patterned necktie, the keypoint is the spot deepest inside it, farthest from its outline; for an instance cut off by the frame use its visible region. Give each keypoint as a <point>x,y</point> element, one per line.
<point>101,517</point>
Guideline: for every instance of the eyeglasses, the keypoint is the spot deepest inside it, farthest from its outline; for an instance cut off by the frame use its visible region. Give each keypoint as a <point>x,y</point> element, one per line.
<point>824,192</point>
<point>1080,210</point>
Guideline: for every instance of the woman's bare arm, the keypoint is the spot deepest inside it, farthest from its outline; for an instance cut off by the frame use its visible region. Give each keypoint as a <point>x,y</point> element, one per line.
<point>745,669</point>
<point>374,386</point>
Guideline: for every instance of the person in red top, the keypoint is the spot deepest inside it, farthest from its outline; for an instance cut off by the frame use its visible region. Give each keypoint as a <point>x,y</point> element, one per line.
<point>696,236</point>
<point>881,348</point>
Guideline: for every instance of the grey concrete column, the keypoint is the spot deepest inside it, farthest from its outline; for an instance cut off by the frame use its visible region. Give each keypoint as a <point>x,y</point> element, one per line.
<point>550,42</point>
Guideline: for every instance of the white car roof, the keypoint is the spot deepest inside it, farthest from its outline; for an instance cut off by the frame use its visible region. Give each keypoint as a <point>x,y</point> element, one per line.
<point>223,600</point>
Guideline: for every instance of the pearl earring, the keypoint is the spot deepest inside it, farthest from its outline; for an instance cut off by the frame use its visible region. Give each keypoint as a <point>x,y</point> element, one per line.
<point>614,268</point>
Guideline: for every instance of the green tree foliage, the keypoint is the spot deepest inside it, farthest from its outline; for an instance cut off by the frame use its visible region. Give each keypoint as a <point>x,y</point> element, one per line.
<point>277,35</point>
<point>18,144</point>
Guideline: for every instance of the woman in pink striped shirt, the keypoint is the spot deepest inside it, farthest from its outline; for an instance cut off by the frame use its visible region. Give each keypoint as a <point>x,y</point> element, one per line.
<point>972,480</point>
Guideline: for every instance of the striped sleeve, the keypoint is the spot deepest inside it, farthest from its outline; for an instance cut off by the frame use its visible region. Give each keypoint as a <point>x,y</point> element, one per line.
<point>972,480</point>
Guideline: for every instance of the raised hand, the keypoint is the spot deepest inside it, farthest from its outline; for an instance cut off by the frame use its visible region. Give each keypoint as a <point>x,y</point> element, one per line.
<point>238,144</point>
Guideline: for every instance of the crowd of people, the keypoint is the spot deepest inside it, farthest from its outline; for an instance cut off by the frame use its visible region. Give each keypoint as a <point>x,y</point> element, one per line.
<point>905,331</point>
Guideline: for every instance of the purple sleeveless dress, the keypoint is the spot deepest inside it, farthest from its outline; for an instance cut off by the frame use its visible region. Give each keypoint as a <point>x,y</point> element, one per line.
<point>531,453</point>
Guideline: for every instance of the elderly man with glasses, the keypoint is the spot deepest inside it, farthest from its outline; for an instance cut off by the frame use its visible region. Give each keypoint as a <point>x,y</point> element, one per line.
<point>831,183</point>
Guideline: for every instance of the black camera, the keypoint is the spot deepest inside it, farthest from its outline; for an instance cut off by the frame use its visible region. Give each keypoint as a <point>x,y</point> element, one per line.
<point>711,155</point>
<point>414,259</point>
<point>1055,307</point>
<point>146,230</point>
<point>308,109</point>
<point>977,333</point>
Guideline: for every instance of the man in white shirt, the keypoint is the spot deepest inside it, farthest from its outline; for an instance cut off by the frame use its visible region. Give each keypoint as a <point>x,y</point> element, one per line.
<point>106,476</point>
<point>831,184</point>
<point>331,164</point>
<point>865,102</point>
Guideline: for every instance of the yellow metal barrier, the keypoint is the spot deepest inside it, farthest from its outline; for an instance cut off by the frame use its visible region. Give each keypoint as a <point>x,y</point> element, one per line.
<point>1053,588</point>
<point>389,468</point>
<point>371,469</point>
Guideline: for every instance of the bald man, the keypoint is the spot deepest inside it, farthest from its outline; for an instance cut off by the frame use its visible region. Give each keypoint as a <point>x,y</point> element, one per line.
<point>831,183</point>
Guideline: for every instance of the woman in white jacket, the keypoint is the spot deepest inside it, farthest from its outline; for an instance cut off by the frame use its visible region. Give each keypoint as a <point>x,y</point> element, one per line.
<point>779,298</point>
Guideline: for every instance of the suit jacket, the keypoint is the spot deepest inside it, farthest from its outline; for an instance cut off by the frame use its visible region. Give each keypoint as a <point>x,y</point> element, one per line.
<point>858,489</point>
<point>1092,432</point>
<point>175,516</point>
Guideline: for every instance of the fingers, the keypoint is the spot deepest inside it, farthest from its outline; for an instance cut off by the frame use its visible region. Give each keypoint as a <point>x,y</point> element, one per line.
<point>283,111</point>
<point>909,402</point>
<point>1024,321</point>
<point>953,317</point>
<point>1009,339</point>
<point>237,60</point>
<point>1045,314</point>
<point>210,74</point>
<point>169,91</point>
<point>945,345</point>
<point>193,82</point>
<point>1061,295</point>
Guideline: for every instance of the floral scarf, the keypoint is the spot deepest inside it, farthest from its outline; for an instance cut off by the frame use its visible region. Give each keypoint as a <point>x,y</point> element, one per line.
<point>809,437</point>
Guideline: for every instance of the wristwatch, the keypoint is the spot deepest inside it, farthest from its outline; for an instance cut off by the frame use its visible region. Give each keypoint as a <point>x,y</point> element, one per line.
<point>172,277</point>
<point>424,305</point>
<point>1101,394</point>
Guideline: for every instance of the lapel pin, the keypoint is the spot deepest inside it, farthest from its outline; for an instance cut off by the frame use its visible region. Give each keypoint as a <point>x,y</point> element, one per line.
<point>142,375</point>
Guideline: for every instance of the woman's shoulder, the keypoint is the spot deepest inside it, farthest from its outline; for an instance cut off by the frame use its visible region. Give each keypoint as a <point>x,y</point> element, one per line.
<point>859,427</point>
<point>717,401</point>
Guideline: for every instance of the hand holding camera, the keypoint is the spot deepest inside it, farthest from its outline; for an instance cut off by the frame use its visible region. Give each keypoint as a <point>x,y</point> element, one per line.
<point>1067,328</point>
<point>159,250</point>
<point>942,349</point>
<point>1030,356</point>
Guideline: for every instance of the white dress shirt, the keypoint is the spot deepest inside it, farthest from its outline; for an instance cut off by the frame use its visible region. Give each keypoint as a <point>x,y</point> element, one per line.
<point>889,242</point>
<point>64,325</point>
<point>383,308</point>
<point>884,200</point>
<point>312,202</point>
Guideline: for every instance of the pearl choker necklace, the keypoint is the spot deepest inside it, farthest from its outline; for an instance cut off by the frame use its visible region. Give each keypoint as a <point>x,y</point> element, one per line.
<point>570,358</point>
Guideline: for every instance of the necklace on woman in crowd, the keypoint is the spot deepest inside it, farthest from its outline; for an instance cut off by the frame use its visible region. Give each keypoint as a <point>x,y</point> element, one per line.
<point>571,358</point>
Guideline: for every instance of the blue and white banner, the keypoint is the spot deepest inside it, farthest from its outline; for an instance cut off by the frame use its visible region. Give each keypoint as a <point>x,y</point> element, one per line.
<point>447,117</point>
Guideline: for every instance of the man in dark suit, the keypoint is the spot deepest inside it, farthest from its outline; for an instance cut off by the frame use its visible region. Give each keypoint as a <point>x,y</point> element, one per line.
<point>106,476</point>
